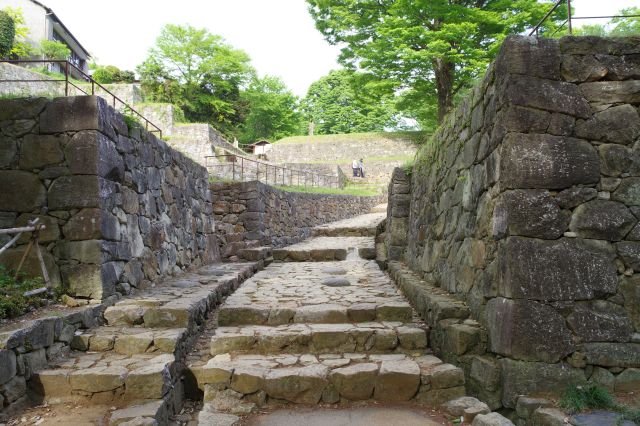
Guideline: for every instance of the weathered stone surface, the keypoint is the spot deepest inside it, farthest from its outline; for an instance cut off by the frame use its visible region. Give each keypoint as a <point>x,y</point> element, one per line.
<point>548,417</point>
<point>600,321</point>
<point>247,379</point>
<point>125,314</point>
<point>532,56</point>
<point>134,343</point>
<point>628,192</point>
<point>491,419</point>
<point>460,406</point>
<point>397,381</point>
<point>14,389</point>
<point>155,410</point>
<point>38,151</point>
<point>336,282</point>
<point>527,330</point>
<point>302,385</point>
<point>529,213</point>
<point>599,418</point>
<point>47,235</point>
<point>578,69</point>
<point>206,417</point>
<point>618,124</point>
<point>149,382</point>
<point>27,192</point>
<point>544,161</point>
<point>615,159</point>
<point>603,377</point>
<point>526,406</point>
<point>68,192</point>
<point>97,379</point>
<point>612,354</point>
<point>554,96</point>
<point>486,370</point>
<point>355,382</point>
<point>8,366</point>
<point>525,378</point>
<point>74,114</point>
<point>629,251</point>
<point>91,224</point>
<point>609,92</point>
<point>603,220</point>
<point>8,151</point>
<point>630,290</point>
<point>92,153</point>
<point>565,269</point>
<point>86,281</point>
<point>326,313</point>
<point>628,380</point>
<point>573,197</point>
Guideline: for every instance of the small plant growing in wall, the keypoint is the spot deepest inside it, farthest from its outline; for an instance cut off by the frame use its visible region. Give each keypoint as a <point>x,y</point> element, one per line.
<point>12,300</point>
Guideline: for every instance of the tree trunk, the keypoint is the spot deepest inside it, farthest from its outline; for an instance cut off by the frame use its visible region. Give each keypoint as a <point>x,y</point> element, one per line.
<point>444,86</point>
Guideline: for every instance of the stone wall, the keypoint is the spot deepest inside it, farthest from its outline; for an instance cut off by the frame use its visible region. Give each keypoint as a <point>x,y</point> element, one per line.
<point>526,204</point>
<point>381,153</point>
<point>121,207</point>
<point>252,214</point>
<point>32,88</point>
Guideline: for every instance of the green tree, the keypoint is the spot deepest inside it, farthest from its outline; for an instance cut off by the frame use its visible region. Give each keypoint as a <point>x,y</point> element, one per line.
<point>200,73</point>
<point>51,49</point>
<point>21,47</point>
<point>7,34</point>
<point>627,26</point>
<point>424,46</point>
<point>343,102</point>
<point>272,111</point>
<point>111,74</point>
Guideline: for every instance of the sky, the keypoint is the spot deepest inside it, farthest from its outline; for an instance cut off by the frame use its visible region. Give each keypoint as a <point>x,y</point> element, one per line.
<point>279,35</point>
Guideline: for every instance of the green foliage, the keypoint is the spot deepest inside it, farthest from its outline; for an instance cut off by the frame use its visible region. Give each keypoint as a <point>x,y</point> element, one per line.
<point>347,102</point>
<point>21,48</point>
<point>12,301</point>
<point>626,26</point>
<point>408,166</point>
<point>200,73</point>
<point>358,190</point>
<point>7,34</point>
<point>272,111</point>
<point>426,49</point>
<point>51,49</point>
<point>110,74</point>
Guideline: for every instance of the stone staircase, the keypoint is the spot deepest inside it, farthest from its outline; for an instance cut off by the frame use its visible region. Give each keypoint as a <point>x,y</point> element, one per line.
<point>321,325</point>
<point>135,363</point>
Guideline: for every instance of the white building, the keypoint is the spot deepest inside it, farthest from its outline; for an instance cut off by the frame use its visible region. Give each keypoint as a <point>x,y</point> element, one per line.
<point>44,24</point>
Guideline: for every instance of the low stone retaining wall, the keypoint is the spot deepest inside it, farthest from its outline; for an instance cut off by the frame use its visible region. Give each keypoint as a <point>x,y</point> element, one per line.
<point>250,214</point>
<point>525,206</point>
<point>120,206</point>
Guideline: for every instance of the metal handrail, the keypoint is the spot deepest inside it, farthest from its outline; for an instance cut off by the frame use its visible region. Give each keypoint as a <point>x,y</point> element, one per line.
<point>570,18</point>
<point>68,82</point>
<point>312,179</point>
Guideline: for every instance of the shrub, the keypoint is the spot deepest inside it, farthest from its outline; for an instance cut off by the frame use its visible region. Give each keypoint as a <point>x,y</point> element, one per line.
<point>7,34</point>
<point>52,49</point>
<point>110,74</point>
<point>12,301</point>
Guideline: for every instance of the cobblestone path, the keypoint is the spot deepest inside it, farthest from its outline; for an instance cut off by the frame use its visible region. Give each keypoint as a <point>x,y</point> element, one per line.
<point>321,325</point>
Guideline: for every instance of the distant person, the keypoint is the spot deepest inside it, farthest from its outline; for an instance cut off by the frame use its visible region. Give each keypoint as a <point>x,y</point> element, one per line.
<point>355,165</point>
<point>361,168</point>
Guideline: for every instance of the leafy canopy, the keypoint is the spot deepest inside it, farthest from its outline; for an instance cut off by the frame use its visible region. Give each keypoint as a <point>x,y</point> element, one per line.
<point>7,33</point>
<point>21,47</point>
<point>272,111</point>
<point>343,102</point>
<point>428,49</point>
<point>199,72</point>
<point>111,74</point>
<point>51,49</point>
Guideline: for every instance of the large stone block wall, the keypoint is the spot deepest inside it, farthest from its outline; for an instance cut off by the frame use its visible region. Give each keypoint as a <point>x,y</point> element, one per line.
<point>120,206</point>
<point>252,214</point>
<point>526,205</point>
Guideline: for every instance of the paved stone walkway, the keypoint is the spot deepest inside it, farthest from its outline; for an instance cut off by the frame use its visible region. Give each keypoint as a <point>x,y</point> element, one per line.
<point>322,325</point>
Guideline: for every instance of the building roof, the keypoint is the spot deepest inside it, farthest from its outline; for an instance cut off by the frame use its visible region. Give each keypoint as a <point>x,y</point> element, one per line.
<point>260,143</point>
<point>55,17</point>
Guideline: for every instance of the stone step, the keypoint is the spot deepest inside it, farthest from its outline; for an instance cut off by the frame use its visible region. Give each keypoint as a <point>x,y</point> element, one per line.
<point>372,337</point>
<point>129,341</point>
<point>432,303</point>
<point>325,249</point>
<point>182,302</point>
<point>329,313</point>
<point>153,412</point>
<point>361,226</point>
<point>256,253</point>
<point>106,378</point>
<point>238,384</point>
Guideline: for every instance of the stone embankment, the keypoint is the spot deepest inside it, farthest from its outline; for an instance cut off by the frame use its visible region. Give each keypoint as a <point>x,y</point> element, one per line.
<point>517,230</point>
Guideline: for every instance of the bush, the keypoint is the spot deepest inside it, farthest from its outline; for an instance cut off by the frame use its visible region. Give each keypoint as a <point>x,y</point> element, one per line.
<point>7,34</point>
<point>110,74</point>
<point>12,301</point>
<point>51,49</point>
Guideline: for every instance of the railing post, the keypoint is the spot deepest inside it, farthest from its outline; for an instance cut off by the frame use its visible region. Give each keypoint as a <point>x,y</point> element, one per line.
<point>242,169</point>
<point>66,78</point>
<point>569,17</point>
